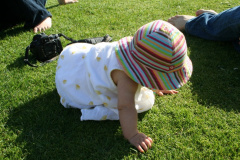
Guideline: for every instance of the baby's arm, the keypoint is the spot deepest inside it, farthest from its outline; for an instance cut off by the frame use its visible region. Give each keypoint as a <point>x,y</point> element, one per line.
<point>162,92</point>
<point>127,112</point>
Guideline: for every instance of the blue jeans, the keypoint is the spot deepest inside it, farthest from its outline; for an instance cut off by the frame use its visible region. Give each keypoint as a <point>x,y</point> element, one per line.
<point>224,26</point>
<point>32,12</point>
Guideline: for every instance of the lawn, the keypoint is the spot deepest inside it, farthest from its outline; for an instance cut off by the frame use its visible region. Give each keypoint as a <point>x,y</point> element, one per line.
<point>201,122</point>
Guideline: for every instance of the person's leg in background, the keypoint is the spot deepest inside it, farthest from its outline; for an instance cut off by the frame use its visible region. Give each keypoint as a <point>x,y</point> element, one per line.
<point>35,14</point>
<point>224,26</point>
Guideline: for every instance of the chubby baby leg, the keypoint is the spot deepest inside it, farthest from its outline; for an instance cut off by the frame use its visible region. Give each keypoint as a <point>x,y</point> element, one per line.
<point>144,99</point>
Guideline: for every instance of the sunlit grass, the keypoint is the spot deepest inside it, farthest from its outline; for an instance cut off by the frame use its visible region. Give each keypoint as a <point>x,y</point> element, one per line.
<point>201,122</point>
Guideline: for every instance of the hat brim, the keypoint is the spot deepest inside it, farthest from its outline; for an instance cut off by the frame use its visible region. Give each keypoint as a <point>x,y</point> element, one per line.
<point>149,77</point>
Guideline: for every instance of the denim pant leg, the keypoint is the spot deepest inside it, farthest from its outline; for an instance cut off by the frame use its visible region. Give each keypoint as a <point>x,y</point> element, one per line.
<point>34,11</point>
<point>224,26</point>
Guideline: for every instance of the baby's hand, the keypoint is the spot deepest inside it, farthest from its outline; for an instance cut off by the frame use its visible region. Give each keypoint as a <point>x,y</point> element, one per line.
<point>141,142</point>
<point>162,92</point>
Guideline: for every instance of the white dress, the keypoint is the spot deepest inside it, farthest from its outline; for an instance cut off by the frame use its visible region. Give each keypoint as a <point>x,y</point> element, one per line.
<point>83,80</point>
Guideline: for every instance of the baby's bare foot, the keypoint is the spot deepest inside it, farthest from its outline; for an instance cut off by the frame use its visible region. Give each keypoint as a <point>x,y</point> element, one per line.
<point>201,11</point>
<point>67,1</point>
<point>45,24</point>
<point>180,21</point>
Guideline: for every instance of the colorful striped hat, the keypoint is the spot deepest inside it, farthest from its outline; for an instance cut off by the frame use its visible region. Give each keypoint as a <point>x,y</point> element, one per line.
<point>156,57</point>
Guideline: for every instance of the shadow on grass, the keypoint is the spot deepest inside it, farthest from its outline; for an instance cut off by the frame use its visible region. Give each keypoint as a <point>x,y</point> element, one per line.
<point>216,73</point>
<point>46,130</point>
<point>12,31</point>
<point>19,62</point>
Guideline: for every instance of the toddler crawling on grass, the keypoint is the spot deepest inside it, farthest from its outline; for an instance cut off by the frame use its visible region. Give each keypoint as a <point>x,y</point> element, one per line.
<point>116,80</point>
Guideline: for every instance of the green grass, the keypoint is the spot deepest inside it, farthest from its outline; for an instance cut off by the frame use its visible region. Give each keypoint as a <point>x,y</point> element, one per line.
<point>201,122</point>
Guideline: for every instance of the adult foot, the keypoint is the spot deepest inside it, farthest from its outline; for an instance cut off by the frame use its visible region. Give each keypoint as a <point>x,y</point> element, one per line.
<point>67,1</point>
<point>180,21</point>
<point>45,24</point>
<point>201,11</point>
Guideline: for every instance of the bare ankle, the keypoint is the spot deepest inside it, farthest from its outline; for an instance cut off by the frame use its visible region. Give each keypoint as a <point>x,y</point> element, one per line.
<point>44,25</point>
<point>180,21</point>
<point>67,1</point>
<point>201,11</point>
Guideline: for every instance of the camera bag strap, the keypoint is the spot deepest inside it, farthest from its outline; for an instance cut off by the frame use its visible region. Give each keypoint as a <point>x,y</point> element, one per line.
<point>32,65</point>
<point>26,57</point>
<point>95,40</point>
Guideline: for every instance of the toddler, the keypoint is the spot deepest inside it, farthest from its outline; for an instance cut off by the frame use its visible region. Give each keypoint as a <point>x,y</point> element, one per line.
<point>117,80</point>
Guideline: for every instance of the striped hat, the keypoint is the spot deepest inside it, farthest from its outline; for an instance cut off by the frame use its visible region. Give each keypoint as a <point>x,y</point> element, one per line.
<point>156,57</point>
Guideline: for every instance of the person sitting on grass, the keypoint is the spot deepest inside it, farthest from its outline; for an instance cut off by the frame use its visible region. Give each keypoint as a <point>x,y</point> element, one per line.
<point>32,12</point>
<point>116,80</point>
<point>210,25</point>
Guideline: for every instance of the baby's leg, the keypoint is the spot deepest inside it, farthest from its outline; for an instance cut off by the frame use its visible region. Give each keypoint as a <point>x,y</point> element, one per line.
<point>144,99</point>
<point>98,113</point>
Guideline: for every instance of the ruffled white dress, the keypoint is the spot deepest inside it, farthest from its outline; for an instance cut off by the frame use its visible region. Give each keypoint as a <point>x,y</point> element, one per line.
<point>83,81</point>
